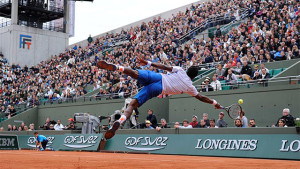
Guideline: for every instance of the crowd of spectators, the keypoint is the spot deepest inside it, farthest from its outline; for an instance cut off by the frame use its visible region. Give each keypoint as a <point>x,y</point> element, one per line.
<point>270,34</point>
<point>48,125</point>
<point>287,120</point>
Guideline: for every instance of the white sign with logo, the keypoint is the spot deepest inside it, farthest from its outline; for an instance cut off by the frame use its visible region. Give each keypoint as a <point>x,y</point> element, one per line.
<point>145,143</point>
<point>31,142</point>
<point>80,141</point>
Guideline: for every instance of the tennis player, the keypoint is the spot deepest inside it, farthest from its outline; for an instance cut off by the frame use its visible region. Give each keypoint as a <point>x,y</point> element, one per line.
<point>41,141</point>
<point>176,82</point>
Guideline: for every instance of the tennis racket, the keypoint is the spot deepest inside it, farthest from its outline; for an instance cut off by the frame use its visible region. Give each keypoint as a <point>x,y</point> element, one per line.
<point>233,110</point>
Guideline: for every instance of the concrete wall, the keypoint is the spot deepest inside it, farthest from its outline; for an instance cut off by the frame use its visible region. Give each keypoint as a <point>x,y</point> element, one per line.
<point>43,44</point>
<point>99,108</point>
<point>29,116</point>
<point>293,70</point>
<point>164,15</point>
<point>264,104</point>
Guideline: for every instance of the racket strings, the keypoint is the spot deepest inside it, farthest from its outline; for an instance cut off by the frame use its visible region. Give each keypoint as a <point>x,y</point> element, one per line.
<point>234,111</point>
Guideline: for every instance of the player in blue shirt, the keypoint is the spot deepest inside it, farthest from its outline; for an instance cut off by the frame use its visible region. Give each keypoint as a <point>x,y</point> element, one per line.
<point>41,141</point>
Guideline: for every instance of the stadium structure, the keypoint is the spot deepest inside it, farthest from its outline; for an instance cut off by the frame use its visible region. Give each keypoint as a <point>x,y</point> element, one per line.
<point>243,50</point>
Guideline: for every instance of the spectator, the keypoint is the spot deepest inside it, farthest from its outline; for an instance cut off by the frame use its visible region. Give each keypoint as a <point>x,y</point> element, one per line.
<point>243,118</point>
<point>185,125</point>
<point>207,87</point>
<point>14,128</point>
<point>31,127</point>
<point>238,123</point>
<point>51,127</point>
<point>218,32</point>
<point>71,125</point>
<point>148,125</point>
<point>22,125</point>
<point>202,124</point>
<point>220,72</point>
<point>194,121</point>
<point>205,118</point>
<point>212,124</point>
<point>231,78</point>
<point>221,122</point>
<point>163,125</point>
<point>90,39</point>
<point>264,76</point>
<point>58,126</point>
<point>287,117</point>
<point>252,123</point>
<point>20,128</point>
<point>255,70</point>
<point>246,71</point>
<point>238,68</point>
<point>25,128</point>
<point>256,76</point>
<point>216,84</point>
<point>1,129</point>
<point>263,66</point>
<point>282,123</point>
<point>46,126</point>
<point>9,128</point>
<point>152,118</point>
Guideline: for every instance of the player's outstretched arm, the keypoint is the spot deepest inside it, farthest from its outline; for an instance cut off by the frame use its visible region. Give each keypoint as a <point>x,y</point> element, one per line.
<point>207,100</point>
<point>157,65</point>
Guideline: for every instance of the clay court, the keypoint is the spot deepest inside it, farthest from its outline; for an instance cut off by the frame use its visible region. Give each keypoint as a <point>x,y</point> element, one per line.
<point>62,159</point>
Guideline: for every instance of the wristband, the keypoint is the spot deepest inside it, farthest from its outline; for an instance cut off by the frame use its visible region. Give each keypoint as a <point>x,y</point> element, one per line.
<point>149,63</point>
<point>215,102</point>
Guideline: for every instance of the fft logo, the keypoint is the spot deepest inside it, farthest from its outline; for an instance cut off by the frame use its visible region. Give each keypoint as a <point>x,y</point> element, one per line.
<point>25,40</point>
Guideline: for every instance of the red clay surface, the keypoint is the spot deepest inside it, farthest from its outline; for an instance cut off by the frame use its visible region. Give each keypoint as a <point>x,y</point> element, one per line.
<point>27,159</point>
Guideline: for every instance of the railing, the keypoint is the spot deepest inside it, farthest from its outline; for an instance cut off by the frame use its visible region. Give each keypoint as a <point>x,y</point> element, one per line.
<point>212,22</point>
<point>288,80</point>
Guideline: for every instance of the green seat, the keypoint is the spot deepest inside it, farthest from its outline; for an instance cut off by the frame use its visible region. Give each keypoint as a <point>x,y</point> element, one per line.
<point>276,71</point>
<point>225,87</point>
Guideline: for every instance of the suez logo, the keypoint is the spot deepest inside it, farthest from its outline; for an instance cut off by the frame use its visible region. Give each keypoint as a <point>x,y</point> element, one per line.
<point>32,141</point>
<point>142,143</point>
<point>69,141</point>
<point>25,40</point>
<point>80,141</point>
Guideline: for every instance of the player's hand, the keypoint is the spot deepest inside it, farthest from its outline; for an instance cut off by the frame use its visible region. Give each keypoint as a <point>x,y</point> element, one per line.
<point>218,106</point>
<point>141,61</point>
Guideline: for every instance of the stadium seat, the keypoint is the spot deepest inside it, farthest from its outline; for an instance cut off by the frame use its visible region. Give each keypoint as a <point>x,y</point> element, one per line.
<point>276,71</point>
<point>225,87</point>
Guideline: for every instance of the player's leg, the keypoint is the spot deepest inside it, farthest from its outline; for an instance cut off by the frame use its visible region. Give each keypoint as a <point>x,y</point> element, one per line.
<point>44,144</point>
<point>148,92</point>
<point>127,113</point>
<point>126,70</point>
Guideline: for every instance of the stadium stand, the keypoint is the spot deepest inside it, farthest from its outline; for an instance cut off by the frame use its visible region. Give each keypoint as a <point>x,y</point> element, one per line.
<point>270,34</point>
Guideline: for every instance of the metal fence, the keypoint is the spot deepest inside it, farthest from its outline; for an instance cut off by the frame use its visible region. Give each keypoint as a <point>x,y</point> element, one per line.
<point>212,22</point>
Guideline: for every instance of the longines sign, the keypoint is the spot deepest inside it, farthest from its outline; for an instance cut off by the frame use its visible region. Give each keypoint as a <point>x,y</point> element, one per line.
<point>286,146</point>
<point>214,144</point>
